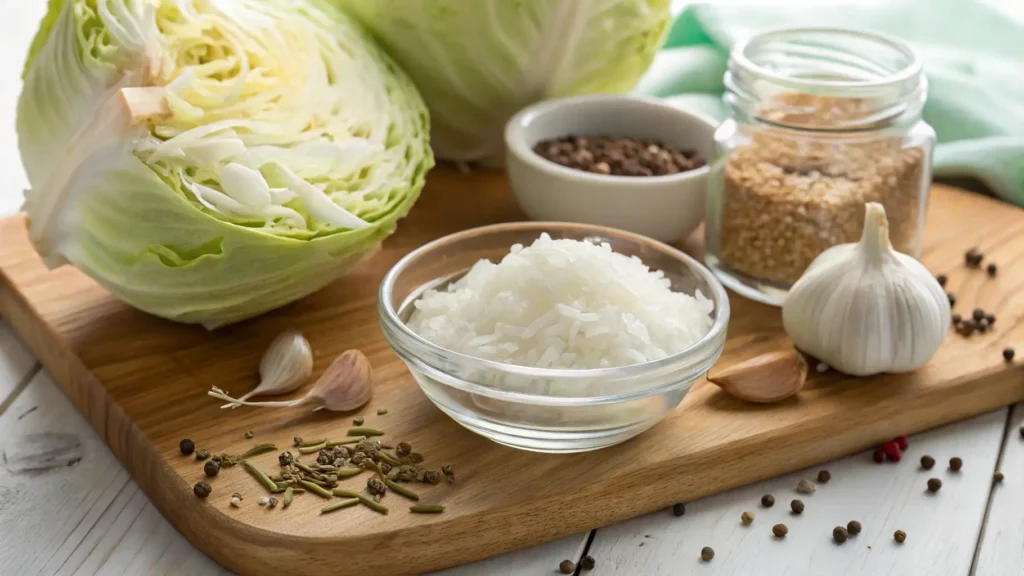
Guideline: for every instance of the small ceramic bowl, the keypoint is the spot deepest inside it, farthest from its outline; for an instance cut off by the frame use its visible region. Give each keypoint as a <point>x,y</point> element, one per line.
<point>666,208</point>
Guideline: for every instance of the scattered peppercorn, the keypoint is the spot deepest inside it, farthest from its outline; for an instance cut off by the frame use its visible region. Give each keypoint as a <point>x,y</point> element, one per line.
<point>1008,354</point>
<point>780,530</point>
<point>934,485</point>
<point>991,269</point>
<point>967,327</point>
<point>449,473</point>
<point>927,462</point>
<point>707,553</point>
<point>902,442</point>
<point>248,434</point>
<point>952,299</point>
<point>747,518</point>
<point>202,454</point>
<point>991,318</point>
<point>767,500</point>
<point>187,446</point>
<point>375,486</point>
<point>202,489</point>
<point>878,456</point>
<point>806,487</point>
<point>617,156</point>
<point>957,318</point>
<point>588,562</point>
<point>236,499</point>
<point>824,476</point>
<point>839,534</point>
<point>358,420</point>
<point>285,459</point>
<point>983,325</point>
<point>973,258</point>
<point>403,448</point>
<point>900,536</point>
<point>382,411</point>
<point>431,477</point>
<point>978,314</point>
<point>567,567</point>
<point>211,468</point>
<point>297,440</point>
<point>678,509</point>
<point>997,477</point>
<point>853,527</point>
<point>955,464</point>
<point>797,506</point>
<point>942,279</point>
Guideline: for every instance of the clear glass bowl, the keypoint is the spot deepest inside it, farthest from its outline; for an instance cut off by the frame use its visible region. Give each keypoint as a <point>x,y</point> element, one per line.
<point>538,409</point>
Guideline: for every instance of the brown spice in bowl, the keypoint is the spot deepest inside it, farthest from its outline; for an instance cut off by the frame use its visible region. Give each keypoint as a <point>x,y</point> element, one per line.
<point>618,156</point>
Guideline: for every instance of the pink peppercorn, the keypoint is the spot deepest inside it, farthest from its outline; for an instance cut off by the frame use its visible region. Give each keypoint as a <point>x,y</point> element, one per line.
<point>901,441</point>
<point>878,456</point>
<point>890,448</point>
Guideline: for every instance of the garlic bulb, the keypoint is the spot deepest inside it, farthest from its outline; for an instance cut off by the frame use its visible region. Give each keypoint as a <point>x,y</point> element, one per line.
<point>864,308</point>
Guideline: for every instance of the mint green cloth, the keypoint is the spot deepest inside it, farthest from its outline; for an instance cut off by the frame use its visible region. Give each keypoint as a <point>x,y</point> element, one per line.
<point>973,56</point>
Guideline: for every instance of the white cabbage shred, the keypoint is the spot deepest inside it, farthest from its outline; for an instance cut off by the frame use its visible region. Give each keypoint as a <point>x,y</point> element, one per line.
<point>563,304</point>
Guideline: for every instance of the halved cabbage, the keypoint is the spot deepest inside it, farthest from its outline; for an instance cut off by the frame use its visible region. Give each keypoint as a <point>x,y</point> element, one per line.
<point>477,62</point>
<point>210,160</point>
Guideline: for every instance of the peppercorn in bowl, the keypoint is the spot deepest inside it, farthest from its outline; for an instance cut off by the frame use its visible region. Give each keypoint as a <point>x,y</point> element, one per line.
<point>553,337</point>
<point>627,162</point>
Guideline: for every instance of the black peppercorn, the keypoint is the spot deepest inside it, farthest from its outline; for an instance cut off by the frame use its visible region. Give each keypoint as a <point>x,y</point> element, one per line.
<point>202,454</point>
<point>202,489</point>
<point>679,509</point>
<point>839,534</point>
<point>900,536</point>
<point>934,485</point>
<point>187,446</point>
<point>431,477</point>
<point>567,567</point>
<point>824,476</point>
<point>982,325</point>
<point>973,258</point>
<point>942,279</point>
<point>588,562</point>
<point>991,318</point>
<point>991,269</point>
<point>767,500</point>
<point>998,477</point>
<point>285,458</point>
<point>927,462</point>
<point>957,319</point>
<point>978,314</point>
<point>853,527</point>
<point>967,327</point>
<point>955,464</point>
<point>797,506</point>
<point>211,468</point>
<point>780,530</point>
<point>952,299</point>
<point>707,553</point>
<point>1008,356</point>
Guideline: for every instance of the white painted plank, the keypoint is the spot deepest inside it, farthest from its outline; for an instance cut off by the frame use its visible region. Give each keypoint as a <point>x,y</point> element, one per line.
<point>1002,547</point>
<point>18,24</point>
<point>83,519</point>
<point>942,529</point>
<point>15,361</point>
<point>543,559</point>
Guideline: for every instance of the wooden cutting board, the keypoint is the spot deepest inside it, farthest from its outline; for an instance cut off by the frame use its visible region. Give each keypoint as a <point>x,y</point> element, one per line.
<point>142,382</point>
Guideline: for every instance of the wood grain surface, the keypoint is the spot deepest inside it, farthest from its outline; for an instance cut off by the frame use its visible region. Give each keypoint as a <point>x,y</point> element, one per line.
<point>141,382</point>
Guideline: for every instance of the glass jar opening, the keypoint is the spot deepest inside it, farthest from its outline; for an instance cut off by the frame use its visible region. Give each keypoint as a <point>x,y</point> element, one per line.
<point>827,79</point>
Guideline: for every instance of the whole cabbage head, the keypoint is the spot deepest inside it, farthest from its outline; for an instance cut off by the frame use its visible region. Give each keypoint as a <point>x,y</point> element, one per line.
<point>477,62</point>
<point>210,160</point>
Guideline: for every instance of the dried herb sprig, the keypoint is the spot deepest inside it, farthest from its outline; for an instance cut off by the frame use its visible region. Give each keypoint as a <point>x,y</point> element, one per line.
<point>339,505</point>
<point>259,449</point>
<point>260,476</point>
<point>288,492</point>
<point>364,432</point>
<point>399,489</point>
<point>315,488</point>
<point>426,509</point>
<point>313,449</point>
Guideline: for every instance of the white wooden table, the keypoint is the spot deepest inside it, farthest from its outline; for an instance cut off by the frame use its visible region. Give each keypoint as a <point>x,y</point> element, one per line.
<point>89,517</point>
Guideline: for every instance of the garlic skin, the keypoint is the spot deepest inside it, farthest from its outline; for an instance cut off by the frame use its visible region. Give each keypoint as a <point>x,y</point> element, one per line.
<point>864,308</point>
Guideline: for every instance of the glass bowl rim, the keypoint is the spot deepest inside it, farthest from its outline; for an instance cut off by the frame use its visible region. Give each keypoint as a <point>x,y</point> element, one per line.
<point>707,346</point>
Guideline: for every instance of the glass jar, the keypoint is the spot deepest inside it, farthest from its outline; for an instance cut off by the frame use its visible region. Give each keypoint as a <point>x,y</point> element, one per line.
<point>822,121</point>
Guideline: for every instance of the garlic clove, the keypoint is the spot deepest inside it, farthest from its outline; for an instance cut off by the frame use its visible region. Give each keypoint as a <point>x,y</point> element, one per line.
<point>347,382</point>
<point>763,379</point>
<point>286,365</point>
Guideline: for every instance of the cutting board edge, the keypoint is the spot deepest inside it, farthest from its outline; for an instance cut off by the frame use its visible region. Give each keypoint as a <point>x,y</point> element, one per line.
<point>220,535</point>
